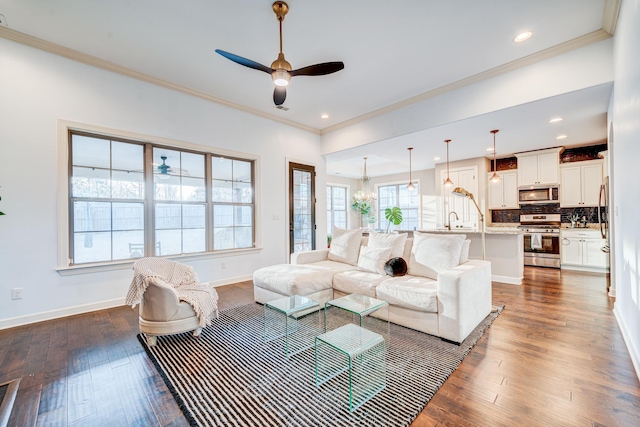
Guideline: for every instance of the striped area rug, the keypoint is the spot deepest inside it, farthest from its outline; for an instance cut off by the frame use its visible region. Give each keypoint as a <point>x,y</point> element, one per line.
<point>229,377</point>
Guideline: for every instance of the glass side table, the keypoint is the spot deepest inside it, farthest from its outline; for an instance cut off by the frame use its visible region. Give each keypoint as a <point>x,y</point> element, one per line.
<point>355,350</point>
<point>360,307</point>
<point>290,318</point>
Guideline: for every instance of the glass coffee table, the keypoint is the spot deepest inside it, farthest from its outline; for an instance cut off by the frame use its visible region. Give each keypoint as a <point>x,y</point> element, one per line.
<point>357,309</point>
<point>296,319</point>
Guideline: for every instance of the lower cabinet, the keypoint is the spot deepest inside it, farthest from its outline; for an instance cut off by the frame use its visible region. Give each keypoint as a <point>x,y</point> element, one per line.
<point>582,248</point>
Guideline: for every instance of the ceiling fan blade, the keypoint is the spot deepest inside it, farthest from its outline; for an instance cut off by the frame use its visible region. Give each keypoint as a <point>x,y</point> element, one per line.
<point>279,95</point>
<point>318,69</point>
<point>244,61</point>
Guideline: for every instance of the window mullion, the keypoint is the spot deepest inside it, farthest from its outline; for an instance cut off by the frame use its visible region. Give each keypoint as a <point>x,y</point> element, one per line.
<point>149,203</point>
<point>208,186</point>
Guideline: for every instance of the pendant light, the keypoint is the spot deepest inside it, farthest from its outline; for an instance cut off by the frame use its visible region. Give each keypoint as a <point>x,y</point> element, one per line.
<point>410,186</point>
<point>495,178</point>
<point>365,194</point>
<point>448,182</point>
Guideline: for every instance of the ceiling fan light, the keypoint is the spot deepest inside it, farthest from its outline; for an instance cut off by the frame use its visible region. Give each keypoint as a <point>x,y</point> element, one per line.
<point>281,77</point>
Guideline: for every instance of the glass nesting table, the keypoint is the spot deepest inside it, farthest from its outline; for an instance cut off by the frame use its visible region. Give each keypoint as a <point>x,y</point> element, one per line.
<point>297,319</point>
<point>357,309</point>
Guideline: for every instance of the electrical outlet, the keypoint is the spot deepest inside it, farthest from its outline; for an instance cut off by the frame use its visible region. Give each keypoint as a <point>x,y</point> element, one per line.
<point>223,265</point>
<point>16,293</point>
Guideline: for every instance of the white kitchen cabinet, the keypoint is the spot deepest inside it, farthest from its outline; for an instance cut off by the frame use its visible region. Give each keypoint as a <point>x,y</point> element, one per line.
<point>538,167</point>
<point>504,194</point>
<point>582,249</point>
<point>580,183</point>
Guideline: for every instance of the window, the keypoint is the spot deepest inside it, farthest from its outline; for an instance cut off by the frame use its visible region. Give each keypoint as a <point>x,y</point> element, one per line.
<point>336,207</point>
<point>398,195</point>
<point>130,199</point>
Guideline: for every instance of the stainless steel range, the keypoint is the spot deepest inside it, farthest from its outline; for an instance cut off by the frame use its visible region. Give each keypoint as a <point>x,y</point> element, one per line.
<point>541,239</point>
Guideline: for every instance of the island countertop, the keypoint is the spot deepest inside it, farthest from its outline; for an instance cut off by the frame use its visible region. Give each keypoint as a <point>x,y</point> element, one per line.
<point>488,230</point>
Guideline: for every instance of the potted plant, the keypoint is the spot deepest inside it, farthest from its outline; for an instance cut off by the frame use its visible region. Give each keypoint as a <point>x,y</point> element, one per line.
<point>363,206</point>
<point>393,215</point>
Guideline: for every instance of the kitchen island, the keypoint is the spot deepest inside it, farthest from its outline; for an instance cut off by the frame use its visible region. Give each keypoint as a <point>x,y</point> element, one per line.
<point>504,247</point>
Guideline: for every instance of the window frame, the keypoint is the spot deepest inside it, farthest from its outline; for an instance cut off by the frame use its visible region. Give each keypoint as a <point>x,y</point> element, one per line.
<point>382,222</point>
<point>330,205</point>
<point>65,201</point>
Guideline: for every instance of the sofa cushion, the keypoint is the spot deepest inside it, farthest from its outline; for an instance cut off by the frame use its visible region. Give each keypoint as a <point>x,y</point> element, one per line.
<point>358,282</point>
<point>464,252</point>
<point>298,279</point>
<point>373,259</point>
<point>434,253</point>
<point>386,240</point>
<point>345,245</point>
<point>414,293</point>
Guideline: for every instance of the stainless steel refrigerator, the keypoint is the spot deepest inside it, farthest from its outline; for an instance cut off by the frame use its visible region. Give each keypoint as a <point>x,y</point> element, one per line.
<point>603,213</point>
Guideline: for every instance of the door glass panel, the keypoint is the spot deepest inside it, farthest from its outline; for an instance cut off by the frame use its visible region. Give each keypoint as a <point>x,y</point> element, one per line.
<point>302,207</point>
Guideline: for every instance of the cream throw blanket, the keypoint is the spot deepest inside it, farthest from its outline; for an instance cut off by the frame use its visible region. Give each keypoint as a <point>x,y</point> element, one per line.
<point>203,298</point>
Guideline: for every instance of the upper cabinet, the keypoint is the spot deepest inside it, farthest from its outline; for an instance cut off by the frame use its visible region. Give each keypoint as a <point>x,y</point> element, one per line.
<point>538,167</point>
<point>504,194</point>
<point>580,183</point>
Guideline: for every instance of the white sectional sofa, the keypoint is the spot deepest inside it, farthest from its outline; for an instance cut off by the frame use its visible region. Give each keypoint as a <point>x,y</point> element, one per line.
<point>443,294</point>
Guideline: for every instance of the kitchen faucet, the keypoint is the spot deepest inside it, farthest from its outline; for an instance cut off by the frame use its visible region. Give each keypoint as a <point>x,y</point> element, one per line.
<point>448,226</point>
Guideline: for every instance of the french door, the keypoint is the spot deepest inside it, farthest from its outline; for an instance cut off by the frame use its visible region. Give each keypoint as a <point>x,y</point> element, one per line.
<point>302,208</point>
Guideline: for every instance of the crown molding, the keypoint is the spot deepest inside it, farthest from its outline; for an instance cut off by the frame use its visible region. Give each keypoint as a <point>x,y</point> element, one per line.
<point>551,52</point>
<point>94,61</point>
<point>610,15</point>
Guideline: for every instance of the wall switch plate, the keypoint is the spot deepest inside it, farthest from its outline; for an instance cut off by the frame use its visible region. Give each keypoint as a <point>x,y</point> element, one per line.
<point>16,293</point>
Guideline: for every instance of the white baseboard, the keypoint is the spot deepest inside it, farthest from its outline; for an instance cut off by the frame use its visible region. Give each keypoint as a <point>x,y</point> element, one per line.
<point>510,280</point>
<point>86,308</point>
<point>634,353</point>
<point>62,312</point>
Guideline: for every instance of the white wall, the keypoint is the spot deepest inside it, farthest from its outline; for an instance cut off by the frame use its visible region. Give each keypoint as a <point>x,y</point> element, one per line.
<point>38,89</point>
<point>625,119</point>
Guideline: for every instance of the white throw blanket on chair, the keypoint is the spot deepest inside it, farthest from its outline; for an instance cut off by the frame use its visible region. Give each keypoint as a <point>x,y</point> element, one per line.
<point>203,298</point>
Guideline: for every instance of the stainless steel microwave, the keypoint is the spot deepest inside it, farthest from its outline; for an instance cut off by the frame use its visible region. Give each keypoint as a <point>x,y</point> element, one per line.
<point>538,195</point>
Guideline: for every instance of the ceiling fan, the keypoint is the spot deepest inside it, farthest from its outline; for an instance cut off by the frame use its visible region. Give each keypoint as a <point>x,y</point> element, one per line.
<point>280,69</point>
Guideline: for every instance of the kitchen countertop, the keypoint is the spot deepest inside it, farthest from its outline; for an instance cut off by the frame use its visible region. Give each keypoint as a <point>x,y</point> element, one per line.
<point>489,230</point>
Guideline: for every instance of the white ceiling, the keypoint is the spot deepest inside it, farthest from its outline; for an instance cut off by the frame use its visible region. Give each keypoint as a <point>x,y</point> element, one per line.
<point>392,51</point>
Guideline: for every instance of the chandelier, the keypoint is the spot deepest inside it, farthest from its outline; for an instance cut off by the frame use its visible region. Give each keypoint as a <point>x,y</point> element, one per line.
<point>365,194</point>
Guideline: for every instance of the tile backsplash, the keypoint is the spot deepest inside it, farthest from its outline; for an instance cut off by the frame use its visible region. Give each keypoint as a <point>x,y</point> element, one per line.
<point>513,215</point>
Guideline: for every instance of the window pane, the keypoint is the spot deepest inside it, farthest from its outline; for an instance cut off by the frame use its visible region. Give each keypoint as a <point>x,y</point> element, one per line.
<point>339,198</point>
<point>172,162</point>
<point>340,219</point>
<point>122,241</point>
<point>167,187</point>
<point>127,157</point>
<point>242,192</point>
<point>193,216</point>
<point>194,240</point>
<point>243,216</point>
<point>221,168</point>
<point>192,165</point>
<point>241,171</point>
<point>223,216</point>
<point>127,185</point>
<point>89,182</point>
<point>168,216</point>
<point>91,247</point>
<point>128,216</point>
<point>223,238</point>
<point>329,197</point>
<point>88,151</point>
<point>222,191</point>
<point>91,216</point>
<point>193,189</point>
<point>243,237</point>
<point>170,242</point>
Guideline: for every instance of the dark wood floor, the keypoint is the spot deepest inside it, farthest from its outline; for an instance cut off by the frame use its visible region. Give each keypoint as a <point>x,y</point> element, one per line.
<point>554,357</point>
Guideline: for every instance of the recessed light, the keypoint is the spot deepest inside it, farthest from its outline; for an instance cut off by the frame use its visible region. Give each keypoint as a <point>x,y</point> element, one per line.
<point>556,120</point>
<point>436,158</point>
<point>324,116</point>
<point>522,37</point>
<point>561,137</point>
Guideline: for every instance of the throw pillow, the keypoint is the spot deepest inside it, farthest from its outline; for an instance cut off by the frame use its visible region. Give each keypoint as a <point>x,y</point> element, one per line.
<point>373,260</point>
<point>434,253</point>
<point>386,240</point>
<point>345,245</point>
<point>396,267</point>
<point>464,253</point>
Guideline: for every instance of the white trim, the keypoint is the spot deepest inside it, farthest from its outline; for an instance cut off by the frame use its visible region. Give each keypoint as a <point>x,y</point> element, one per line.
<point>87,308</point>
<point>510,280</point>
<point>64,126</point>
<point>634,353</point>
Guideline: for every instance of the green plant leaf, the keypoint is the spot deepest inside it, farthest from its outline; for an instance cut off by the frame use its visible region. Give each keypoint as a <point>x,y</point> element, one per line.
<point>393,215</point>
